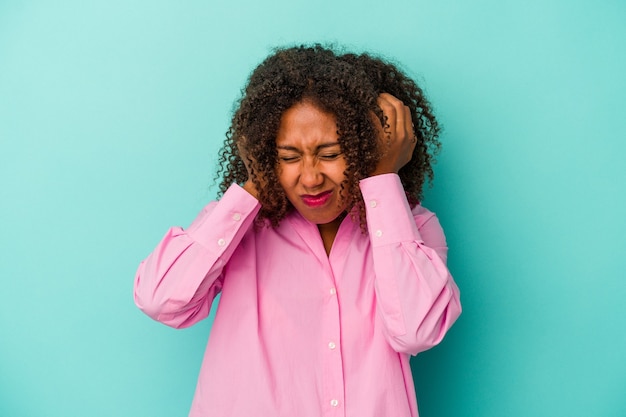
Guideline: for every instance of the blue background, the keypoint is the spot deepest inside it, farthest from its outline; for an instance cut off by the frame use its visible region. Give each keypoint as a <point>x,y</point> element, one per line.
<point>111,114</point>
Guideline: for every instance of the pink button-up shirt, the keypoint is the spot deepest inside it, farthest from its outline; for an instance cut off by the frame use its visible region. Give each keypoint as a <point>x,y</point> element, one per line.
<point>298,333</point>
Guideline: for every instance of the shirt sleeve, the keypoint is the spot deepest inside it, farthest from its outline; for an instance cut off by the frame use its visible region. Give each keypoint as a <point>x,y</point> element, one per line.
<point>415,293</point>
<point>178,281</point>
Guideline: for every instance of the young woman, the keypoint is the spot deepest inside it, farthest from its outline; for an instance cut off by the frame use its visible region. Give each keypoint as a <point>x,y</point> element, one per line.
<point>331,273</point>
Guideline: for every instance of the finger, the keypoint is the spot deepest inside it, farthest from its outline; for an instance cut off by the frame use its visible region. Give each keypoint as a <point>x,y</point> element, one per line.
<point>404,124</point>
<point>401,119</point>
<point>408,124</point>
<point>399,116</point>
<point>386,104</point>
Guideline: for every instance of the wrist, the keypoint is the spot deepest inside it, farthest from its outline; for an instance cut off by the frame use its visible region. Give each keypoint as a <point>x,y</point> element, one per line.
<point>381,170</point>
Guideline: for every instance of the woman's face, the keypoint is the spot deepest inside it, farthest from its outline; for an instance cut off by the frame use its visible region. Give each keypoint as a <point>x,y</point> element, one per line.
<point>310,163</point>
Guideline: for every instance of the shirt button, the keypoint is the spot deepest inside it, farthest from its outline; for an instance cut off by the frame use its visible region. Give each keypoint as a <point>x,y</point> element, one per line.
<point>334,403</point>
<point>331,346</point>
<point>373,203</point>
<point>236,217</point>
<point>379,233</point>
<point>221,242</point>
<point>333,291</point>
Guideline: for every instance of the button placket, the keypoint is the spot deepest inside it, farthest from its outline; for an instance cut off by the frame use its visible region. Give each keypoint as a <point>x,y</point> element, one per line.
<point>333,362</point>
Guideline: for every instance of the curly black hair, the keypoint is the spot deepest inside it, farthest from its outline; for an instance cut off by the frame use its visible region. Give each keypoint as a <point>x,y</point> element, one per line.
<point>345,85</point>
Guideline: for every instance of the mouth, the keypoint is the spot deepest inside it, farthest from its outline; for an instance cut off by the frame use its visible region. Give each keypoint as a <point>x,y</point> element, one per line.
<point>316,200</point>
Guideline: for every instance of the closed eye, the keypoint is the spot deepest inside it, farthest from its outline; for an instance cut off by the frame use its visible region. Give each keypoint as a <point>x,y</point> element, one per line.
<point>288,159</point>
<point>330,156</point>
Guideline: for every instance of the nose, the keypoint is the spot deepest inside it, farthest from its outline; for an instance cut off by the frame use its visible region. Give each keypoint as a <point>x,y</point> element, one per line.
<point>310,176</point>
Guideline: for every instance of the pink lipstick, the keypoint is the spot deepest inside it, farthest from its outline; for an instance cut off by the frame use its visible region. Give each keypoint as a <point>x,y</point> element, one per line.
<point>316,200</point>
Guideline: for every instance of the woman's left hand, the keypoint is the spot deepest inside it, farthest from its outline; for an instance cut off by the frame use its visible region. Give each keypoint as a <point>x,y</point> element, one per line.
<point>398,140</point>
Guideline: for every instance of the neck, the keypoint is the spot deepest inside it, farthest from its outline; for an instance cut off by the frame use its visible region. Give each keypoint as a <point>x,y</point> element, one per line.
<point>328,232</point>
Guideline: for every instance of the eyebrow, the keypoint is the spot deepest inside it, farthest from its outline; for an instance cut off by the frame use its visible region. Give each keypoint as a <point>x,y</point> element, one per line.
<point>317,148</point>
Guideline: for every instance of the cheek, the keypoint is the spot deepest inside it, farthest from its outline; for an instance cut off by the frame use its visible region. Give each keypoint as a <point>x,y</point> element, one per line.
<point>339,171</point>
<point>286,176</point>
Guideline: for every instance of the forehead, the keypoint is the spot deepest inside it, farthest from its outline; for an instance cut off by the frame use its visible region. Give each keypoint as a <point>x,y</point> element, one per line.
<point>305,125</point>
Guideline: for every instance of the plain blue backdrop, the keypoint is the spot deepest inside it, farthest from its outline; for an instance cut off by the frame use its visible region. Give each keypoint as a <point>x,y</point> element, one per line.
<point>111,115</point>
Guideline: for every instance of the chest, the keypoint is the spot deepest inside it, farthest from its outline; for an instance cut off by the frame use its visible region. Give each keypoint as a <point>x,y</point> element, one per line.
<point>287,271</point>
